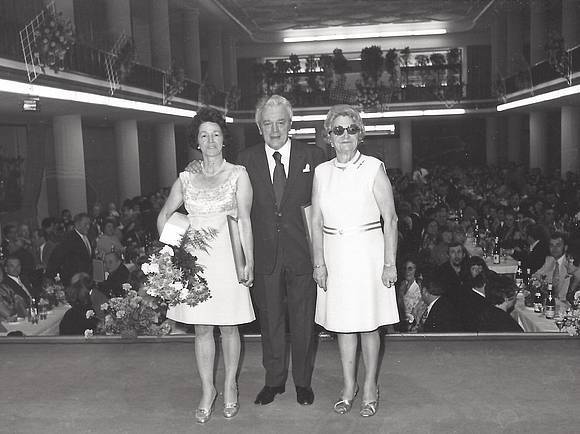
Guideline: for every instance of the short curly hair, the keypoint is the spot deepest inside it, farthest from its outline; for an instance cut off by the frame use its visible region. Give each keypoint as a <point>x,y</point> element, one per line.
<point>207,114</point>
<point>343,110</point>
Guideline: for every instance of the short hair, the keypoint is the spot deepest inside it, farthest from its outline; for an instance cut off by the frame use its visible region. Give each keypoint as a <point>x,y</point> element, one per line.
<point>432,283</point>
<point>562,235</point>
<point>476,260</point>
<point>47,222</point>
<point>12,257</point>
<point>272,101</point>
<point>498,289</point>
<point>8,228</point>
<point>41,233</point>
<point>80,216</point>
<point>478,281</point>
<point>110,220</point>
<point>207,114</point>
<point>454,244</point>
<point>115,254</point>
<point>78,281</point>
<point>535,231</point>
<point>343,110</point>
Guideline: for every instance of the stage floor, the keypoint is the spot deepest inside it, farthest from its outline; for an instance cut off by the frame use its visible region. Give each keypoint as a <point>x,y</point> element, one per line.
<point>432,385</point>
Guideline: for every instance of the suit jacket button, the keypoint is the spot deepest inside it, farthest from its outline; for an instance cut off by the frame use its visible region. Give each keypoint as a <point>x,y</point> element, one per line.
<point>278,214</point>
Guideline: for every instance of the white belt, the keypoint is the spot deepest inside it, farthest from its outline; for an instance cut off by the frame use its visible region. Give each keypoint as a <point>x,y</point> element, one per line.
<point>352,229</point>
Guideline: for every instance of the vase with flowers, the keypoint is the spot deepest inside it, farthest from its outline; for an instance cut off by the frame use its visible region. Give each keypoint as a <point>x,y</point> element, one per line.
<point>53,38</point>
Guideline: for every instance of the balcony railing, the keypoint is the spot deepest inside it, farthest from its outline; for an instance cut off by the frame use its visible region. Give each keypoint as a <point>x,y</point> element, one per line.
<point>88,60</point>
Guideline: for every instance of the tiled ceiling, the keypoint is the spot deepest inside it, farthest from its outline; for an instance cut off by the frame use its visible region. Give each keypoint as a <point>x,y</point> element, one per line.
<point>271,16</point>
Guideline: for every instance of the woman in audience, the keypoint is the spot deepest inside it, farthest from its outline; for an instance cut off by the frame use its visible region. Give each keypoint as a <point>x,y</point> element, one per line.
<point>108,241</point>
<point>354,261</point>
<point>411,305</point>
<point>78,318</point>
<point>211,190</point>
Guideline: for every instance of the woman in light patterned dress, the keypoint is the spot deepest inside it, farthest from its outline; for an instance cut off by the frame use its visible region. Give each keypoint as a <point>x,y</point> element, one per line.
<point>354,258</point>
<point>211,190</point>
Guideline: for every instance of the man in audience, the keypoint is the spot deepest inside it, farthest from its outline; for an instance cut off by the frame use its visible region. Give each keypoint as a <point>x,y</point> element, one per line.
<point>118,274</point>
<point>453,272</point>
<point>11,304</point>
<point>77,319</point>
<point>496,317</point>
<point>536,254</point>
<point>48,225</point>
<point>441,315</point>
<point>18,282</point>
<point>43,248</point>
<point>557,269</point>
<point>74,254</point>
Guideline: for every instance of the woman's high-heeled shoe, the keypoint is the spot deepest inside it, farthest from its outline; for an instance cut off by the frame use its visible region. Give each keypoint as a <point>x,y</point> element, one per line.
<point>232,408</point>
<point>369,408</point>
<point>343,406</point>
<point>202,415</point>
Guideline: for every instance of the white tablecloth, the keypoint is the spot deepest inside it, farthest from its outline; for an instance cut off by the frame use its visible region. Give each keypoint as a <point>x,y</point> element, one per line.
<point>45,327</point>
<point>531,321</point>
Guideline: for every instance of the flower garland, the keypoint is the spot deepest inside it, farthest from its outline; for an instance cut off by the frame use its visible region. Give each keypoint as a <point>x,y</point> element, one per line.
<point>53,38</point>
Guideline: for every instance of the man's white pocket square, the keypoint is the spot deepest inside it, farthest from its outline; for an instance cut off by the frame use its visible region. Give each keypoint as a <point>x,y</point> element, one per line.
<point>306,168</point>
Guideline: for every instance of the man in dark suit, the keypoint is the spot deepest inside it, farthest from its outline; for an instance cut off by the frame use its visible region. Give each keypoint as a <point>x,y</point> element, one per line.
<point>441,315</point>
<point>118,275</point>
<point>496,316</point>
<point>535,256</point>
<point>281,173</point>
<point>19,283</point>
<point>453,273</point>
<point>74,254</point>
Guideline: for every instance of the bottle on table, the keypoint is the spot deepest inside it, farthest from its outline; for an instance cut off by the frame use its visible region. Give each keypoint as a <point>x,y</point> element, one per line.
<point>33,312</point>
<point>538,302</point>
<point>550,309</point>
<point>496,252</point>
<point>476,233</point>
<point>520,276</point>
<point>528,276</point>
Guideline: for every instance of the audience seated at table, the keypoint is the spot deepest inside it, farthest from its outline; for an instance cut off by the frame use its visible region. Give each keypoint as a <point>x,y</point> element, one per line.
<point>11,304</point>
<point>534,256</point>
<point>75,321</point>
<point>118,275</point>
<point>500,294</point>
<point>18,282</point>
<point>441,315</point>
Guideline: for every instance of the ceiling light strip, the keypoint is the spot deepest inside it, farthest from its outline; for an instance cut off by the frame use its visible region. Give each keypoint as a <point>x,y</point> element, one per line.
<point>548,96</point>
<point>369,35</point>
<point>393,114</point>
<point>20,88</point>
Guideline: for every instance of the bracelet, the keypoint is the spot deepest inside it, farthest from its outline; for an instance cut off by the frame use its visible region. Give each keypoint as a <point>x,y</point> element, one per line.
<point>389,265</point>
<point>319,266</point>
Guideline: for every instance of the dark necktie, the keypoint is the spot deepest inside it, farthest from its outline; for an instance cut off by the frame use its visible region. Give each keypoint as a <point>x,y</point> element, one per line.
<point>279,178</point>
<point>556,278</point>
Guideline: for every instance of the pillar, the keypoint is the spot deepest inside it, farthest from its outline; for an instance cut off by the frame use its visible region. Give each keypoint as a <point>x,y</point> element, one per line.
<point>215,67</point>
<point>160,38</point>
<point>571,23</point>
<point>165,153</point>
<point>230,62</point>
<point>128,169</point>
<point>538,31</point>
<point>515,123</point>
<point>192,50</point>
<point>70,163</point>
<point>570,145</point>
<point>539,140</point>
<point>498,48</point>
<point>514,39</point>
<point>406,144</point>
<point>491,140</point>
<point>118,19</point>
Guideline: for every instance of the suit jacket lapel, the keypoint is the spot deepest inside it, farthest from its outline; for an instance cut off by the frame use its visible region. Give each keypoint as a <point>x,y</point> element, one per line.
<point>297,158</point>
<point>263,170</point>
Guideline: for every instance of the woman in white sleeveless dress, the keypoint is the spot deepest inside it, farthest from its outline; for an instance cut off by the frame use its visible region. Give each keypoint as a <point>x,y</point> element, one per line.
<point>354,260</point>
<point>211,190</point>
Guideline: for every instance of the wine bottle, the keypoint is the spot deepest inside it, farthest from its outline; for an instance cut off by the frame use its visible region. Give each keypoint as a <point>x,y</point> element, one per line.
<point>520,276</point>
<point>496,252</point>
<point>538,304</point>
<point>550,310</point>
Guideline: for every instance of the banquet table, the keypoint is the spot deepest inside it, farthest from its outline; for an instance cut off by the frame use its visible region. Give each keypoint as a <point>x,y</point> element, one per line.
<point>532,321</point>
<point>508,265</point>
<point>44,327</point>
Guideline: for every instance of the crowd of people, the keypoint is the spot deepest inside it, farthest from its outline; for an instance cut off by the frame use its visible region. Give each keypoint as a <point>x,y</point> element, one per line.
<point>388,251</point>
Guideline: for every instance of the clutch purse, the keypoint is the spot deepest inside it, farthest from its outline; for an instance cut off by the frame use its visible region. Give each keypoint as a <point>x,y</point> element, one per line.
<point>174,229</point>
<point>237,250</point>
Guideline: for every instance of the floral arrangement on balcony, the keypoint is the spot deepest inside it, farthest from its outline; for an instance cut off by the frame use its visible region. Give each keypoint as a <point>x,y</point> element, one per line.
<point>125,60</point>
<point>53,39</point>
<point>558,57</point>
<point>174,81</point>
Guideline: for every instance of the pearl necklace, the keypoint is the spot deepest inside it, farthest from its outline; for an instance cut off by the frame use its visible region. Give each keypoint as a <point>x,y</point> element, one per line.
<point>217,170</point>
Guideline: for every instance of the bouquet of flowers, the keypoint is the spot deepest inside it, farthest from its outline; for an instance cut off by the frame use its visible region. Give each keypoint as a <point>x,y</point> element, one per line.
<point>52,40</point>
<point>53,291</point>
<point>132,315</point>
<point>174,275</point>
<point>571,320</point>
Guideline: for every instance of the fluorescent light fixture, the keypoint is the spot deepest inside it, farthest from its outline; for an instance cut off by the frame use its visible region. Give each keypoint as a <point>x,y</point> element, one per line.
<point>20,88</point>
<point>229,120</point>
<point>302,131</point>
<point>385,115</point>
<point>548,96</point>
<point>299,118</point>
<point>355,33</point>
<point>444,112</point>
<point>380,128</point>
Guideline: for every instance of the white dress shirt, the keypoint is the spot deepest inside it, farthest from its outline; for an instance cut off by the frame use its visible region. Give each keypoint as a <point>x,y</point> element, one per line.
<point>284,152</point>
<point>19,282</point>
<point>86,241</point>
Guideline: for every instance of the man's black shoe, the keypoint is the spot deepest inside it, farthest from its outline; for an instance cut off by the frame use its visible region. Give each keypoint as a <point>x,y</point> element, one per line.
<point>267,394</point>
<point>304,395</point>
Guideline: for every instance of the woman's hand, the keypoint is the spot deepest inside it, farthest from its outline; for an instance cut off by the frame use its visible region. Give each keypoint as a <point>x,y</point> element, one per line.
<point>319,275</point>
<point>248,277</point>
<point>389,276</point>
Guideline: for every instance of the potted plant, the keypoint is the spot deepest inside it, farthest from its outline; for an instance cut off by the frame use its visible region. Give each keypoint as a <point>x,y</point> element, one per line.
<point>52,40</point>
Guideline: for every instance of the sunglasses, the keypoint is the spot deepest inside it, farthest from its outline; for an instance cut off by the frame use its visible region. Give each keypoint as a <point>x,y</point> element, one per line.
<point>339,130</point>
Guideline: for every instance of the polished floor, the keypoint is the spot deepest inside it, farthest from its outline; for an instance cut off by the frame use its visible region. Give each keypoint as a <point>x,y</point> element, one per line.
<point>476,385</point>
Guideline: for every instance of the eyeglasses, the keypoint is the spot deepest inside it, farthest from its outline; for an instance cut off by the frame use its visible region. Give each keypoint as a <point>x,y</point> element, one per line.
<point>339,130</point>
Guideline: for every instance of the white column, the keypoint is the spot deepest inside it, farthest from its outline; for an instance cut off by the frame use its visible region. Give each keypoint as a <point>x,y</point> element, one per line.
<point>191,44</point>
<point>215,67</point>
<point>406,144</point>
<point>570,146</point>
<point>539,141</point>
<point>118,18</point>
<point>128,170</point>
<point>538,31</point>
<point>491,140</point>
<point>515,123</point>
<point>165,152</point>
<point>571,22</point>
<point>160,39</point>
<point>70,163</point>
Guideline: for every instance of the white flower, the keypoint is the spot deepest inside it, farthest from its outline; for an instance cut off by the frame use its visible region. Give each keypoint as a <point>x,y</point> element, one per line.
<point>145,268</point>
<point>89,314</point>
<point>120,314</point>
<point>126,286</point>
<point>167,250</point>
<point>88,333</point>
<point>184,293</point>
<point>153,268</point>
<point>104,306</point>
<point>177,285</point>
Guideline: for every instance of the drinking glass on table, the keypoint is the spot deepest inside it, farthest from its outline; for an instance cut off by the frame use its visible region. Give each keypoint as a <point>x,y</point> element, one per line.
<point>559,319</point>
